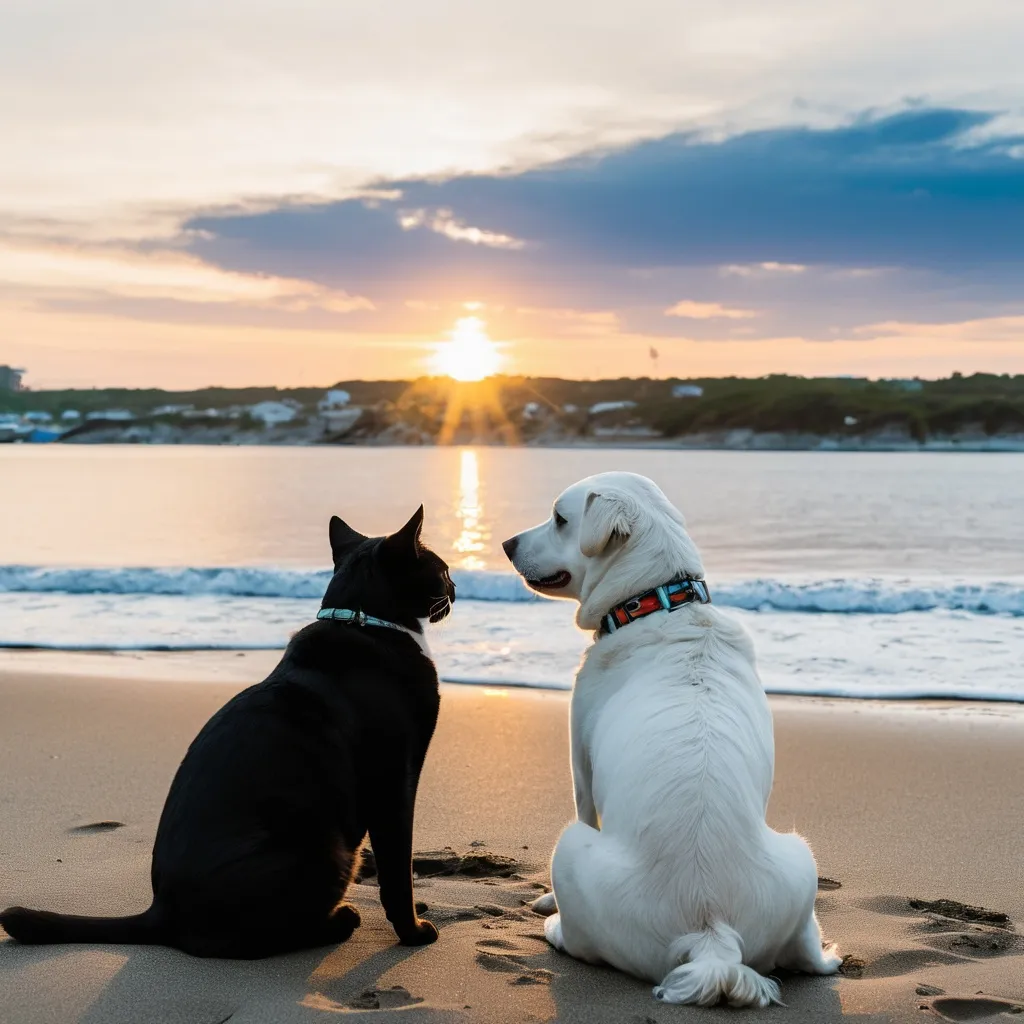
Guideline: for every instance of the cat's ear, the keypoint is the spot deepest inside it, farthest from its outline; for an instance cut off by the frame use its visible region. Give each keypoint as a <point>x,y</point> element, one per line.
<point>342,537</point>
<point>405,543</point>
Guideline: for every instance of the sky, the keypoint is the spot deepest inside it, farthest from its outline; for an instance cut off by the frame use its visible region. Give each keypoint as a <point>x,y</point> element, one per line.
<point>260,193</point>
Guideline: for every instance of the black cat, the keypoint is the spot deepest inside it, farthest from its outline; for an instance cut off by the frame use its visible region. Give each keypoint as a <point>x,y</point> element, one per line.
<point>260,834</point>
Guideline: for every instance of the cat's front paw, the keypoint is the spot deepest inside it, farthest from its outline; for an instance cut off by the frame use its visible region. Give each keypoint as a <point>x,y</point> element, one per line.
<point>423,935</point>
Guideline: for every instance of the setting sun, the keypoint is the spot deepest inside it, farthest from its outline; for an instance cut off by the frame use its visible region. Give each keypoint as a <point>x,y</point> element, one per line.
<point>469,354</point>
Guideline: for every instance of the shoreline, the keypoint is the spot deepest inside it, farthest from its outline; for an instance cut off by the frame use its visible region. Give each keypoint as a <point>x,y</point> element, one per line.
<point>754,443</point>
<point>900,804</point>
<point>249,665</point>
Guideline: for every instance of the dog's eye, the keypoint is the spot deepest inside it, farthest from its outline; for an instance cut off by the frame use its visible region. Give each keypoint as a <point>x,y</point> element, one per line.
<point>560,520</point>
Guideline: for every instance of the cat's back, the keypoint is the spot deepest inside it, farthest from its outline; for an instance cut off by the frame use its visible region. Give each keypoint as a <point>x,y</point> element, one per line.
<point>338,697</point>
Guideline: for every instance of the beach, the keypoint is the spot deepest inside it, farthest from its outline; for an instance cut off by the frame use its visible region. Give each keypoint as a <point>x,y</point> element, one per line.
<point>900,801</point>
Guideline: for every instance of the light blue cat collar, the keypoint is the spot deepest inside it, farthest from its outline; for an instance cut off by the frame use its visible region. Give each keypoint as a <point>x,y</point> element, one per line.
<point>357,618</point>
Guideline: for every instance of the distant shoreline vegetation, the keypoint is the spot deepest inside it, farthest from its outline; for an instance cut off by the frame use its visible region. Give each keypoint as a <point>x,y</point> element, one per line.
<point>976,412</point>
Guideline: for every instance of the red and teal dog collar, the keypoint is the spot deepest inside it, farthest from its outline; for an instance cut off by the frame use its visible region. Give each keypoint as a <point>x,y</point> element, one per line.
<point>666,598</point>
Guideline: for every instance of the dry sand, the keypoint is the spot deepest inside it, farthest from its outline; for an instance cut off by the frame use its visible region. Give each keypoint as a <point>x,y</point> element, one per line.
<point>900,802</point>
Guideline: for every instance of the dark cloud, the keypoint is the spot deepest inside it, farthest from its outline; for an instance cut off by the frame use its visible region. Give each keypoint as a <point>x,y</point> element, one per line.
<point>926,190</point>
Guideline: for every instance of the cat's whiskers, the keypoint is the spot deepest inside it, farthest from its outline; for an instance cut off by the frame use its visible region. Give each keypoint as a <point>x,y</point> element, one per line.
<point>440,609</point>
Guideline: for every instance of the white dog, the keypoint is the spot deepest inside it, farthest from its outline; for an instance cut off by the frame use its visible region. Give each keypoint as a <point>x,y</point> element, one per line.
<point>671,872</point>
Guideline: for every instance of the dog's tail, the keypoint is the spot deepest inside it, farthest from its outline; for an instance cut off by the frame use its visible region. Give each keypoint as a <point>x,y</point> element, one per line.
<point>41,927</point>
<point>714,970</point>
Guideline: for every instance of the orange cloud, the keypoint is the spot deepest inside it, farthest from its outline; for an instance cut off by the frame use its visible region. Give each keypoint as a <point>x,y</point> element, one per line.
<point>708,311</point>
<point>41,271</point>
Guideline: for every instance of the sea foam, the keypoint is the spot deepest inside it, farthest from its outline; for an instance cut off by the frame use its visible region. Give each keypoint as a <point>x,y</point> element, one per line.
<point>832,596</point>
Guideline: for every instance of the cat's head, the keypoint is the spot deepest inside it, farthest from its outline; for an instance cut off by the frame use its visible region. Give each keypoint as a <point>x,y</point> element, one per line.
<point>395,577</point>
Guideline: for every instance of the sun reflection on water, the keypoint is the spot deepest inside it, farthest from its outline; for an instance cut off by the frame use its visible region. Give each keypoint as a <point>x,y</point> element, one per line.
<point>473,536</point>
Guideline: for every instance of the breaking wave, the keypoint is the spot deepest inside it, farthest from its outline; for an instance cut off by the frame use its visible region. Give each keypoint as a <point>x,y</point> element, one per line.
<point>831,596</point>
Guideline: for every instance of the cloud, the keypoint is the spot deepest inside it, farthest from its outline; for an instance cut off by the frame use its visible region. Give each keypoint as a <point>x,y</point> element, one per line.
<point>1008,330</point>
<point>442,222</point>
<point>579,322</point>
<point>912,216</point>
<point>902,190</point>
<point>707,311</point>
<point>61,273</point>
<point>254,101</point>
<point>768,267</point>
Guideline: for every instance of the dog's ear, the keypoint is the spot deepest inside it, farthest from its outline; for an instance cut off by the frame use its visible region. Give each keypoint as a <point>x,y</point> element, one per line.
<point>406,541</point>
<point>608,516</point>
<point>342,537</point>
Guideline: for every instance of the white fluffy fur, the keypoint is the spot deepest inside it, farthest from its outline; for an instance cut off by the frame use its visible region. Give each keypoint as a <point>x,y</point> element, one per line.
<point>670,872</point>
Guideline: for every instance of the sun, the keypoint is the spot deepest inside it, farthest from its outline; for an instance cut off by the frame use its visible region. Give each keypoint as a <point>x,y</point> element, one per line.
<point>469,354</point>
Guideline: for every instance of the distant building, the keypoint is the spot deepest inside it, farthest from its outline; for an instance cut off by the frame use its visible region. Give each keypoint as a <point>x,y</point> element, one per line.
<point>270,414</point>
<point>904,384</point>
<point>531,410</point>
<point>336,398</point>
<point>37,417</point>
<point>687,391</point>
<point>70,415</point>
<point>11,427</point>
<point>10,378</point>
<point>337,414</point>
<point>600,407</point>
<point>119,415</point>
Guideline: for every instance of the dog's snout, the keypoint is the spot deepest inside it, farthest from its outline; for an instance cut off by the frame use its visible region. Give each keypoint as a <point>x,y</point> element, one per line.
<point>509,546</point>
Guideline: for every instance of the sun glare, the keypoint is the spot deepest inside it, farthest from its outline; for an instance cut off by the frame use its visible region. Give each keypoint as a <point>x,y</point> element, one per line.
<point>469,354</point>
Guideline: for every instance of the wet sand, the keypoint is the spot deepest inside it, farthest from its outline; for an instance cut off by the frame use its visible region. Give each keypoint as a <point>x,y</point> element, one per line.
<point>903,804</point>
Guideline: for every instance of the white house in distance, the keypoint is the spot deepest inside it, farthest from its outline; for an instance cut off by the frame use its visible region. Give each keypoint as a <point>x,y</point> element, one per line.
<point>119,415</point>
<point>271,414</point>
<point>337,412</point>
<point>335,398</point>
<point>600,407</point>
<point>687,391</point>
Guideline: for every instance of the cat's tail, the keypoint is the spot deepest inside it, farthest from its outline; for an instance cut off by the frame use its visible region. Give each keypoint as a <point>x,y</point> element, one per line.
<point>713,971</point>
<point>41,927</point>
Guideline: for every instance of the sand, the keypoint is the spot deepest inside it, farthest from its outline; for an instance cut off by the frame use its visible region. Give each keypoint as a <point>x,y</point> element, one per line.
<point>901,802</point>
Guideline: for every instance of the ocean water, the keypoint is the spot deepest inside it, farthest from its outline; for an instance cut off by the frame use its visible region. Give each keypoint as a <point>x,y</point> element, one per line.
<point>858,574</point>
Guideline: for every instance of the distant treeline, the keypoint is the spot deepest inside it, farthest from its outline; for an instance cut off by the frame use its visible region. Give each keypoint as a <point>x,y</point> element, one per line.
<point>142,401</point>
<point>822,406</point>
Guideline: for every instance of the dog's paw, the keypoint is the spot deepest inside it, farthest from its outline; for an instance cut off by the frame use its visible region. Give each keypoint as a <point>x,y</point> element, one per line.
<point>544,905</point>
<point>553,932</point>
<point>831,961</point>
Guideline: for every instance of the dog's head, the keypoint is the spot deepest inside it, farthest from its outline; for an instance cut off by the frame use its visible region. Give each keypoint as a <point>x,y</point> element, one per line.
<point>609,537</point>
<point>396,577</point>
